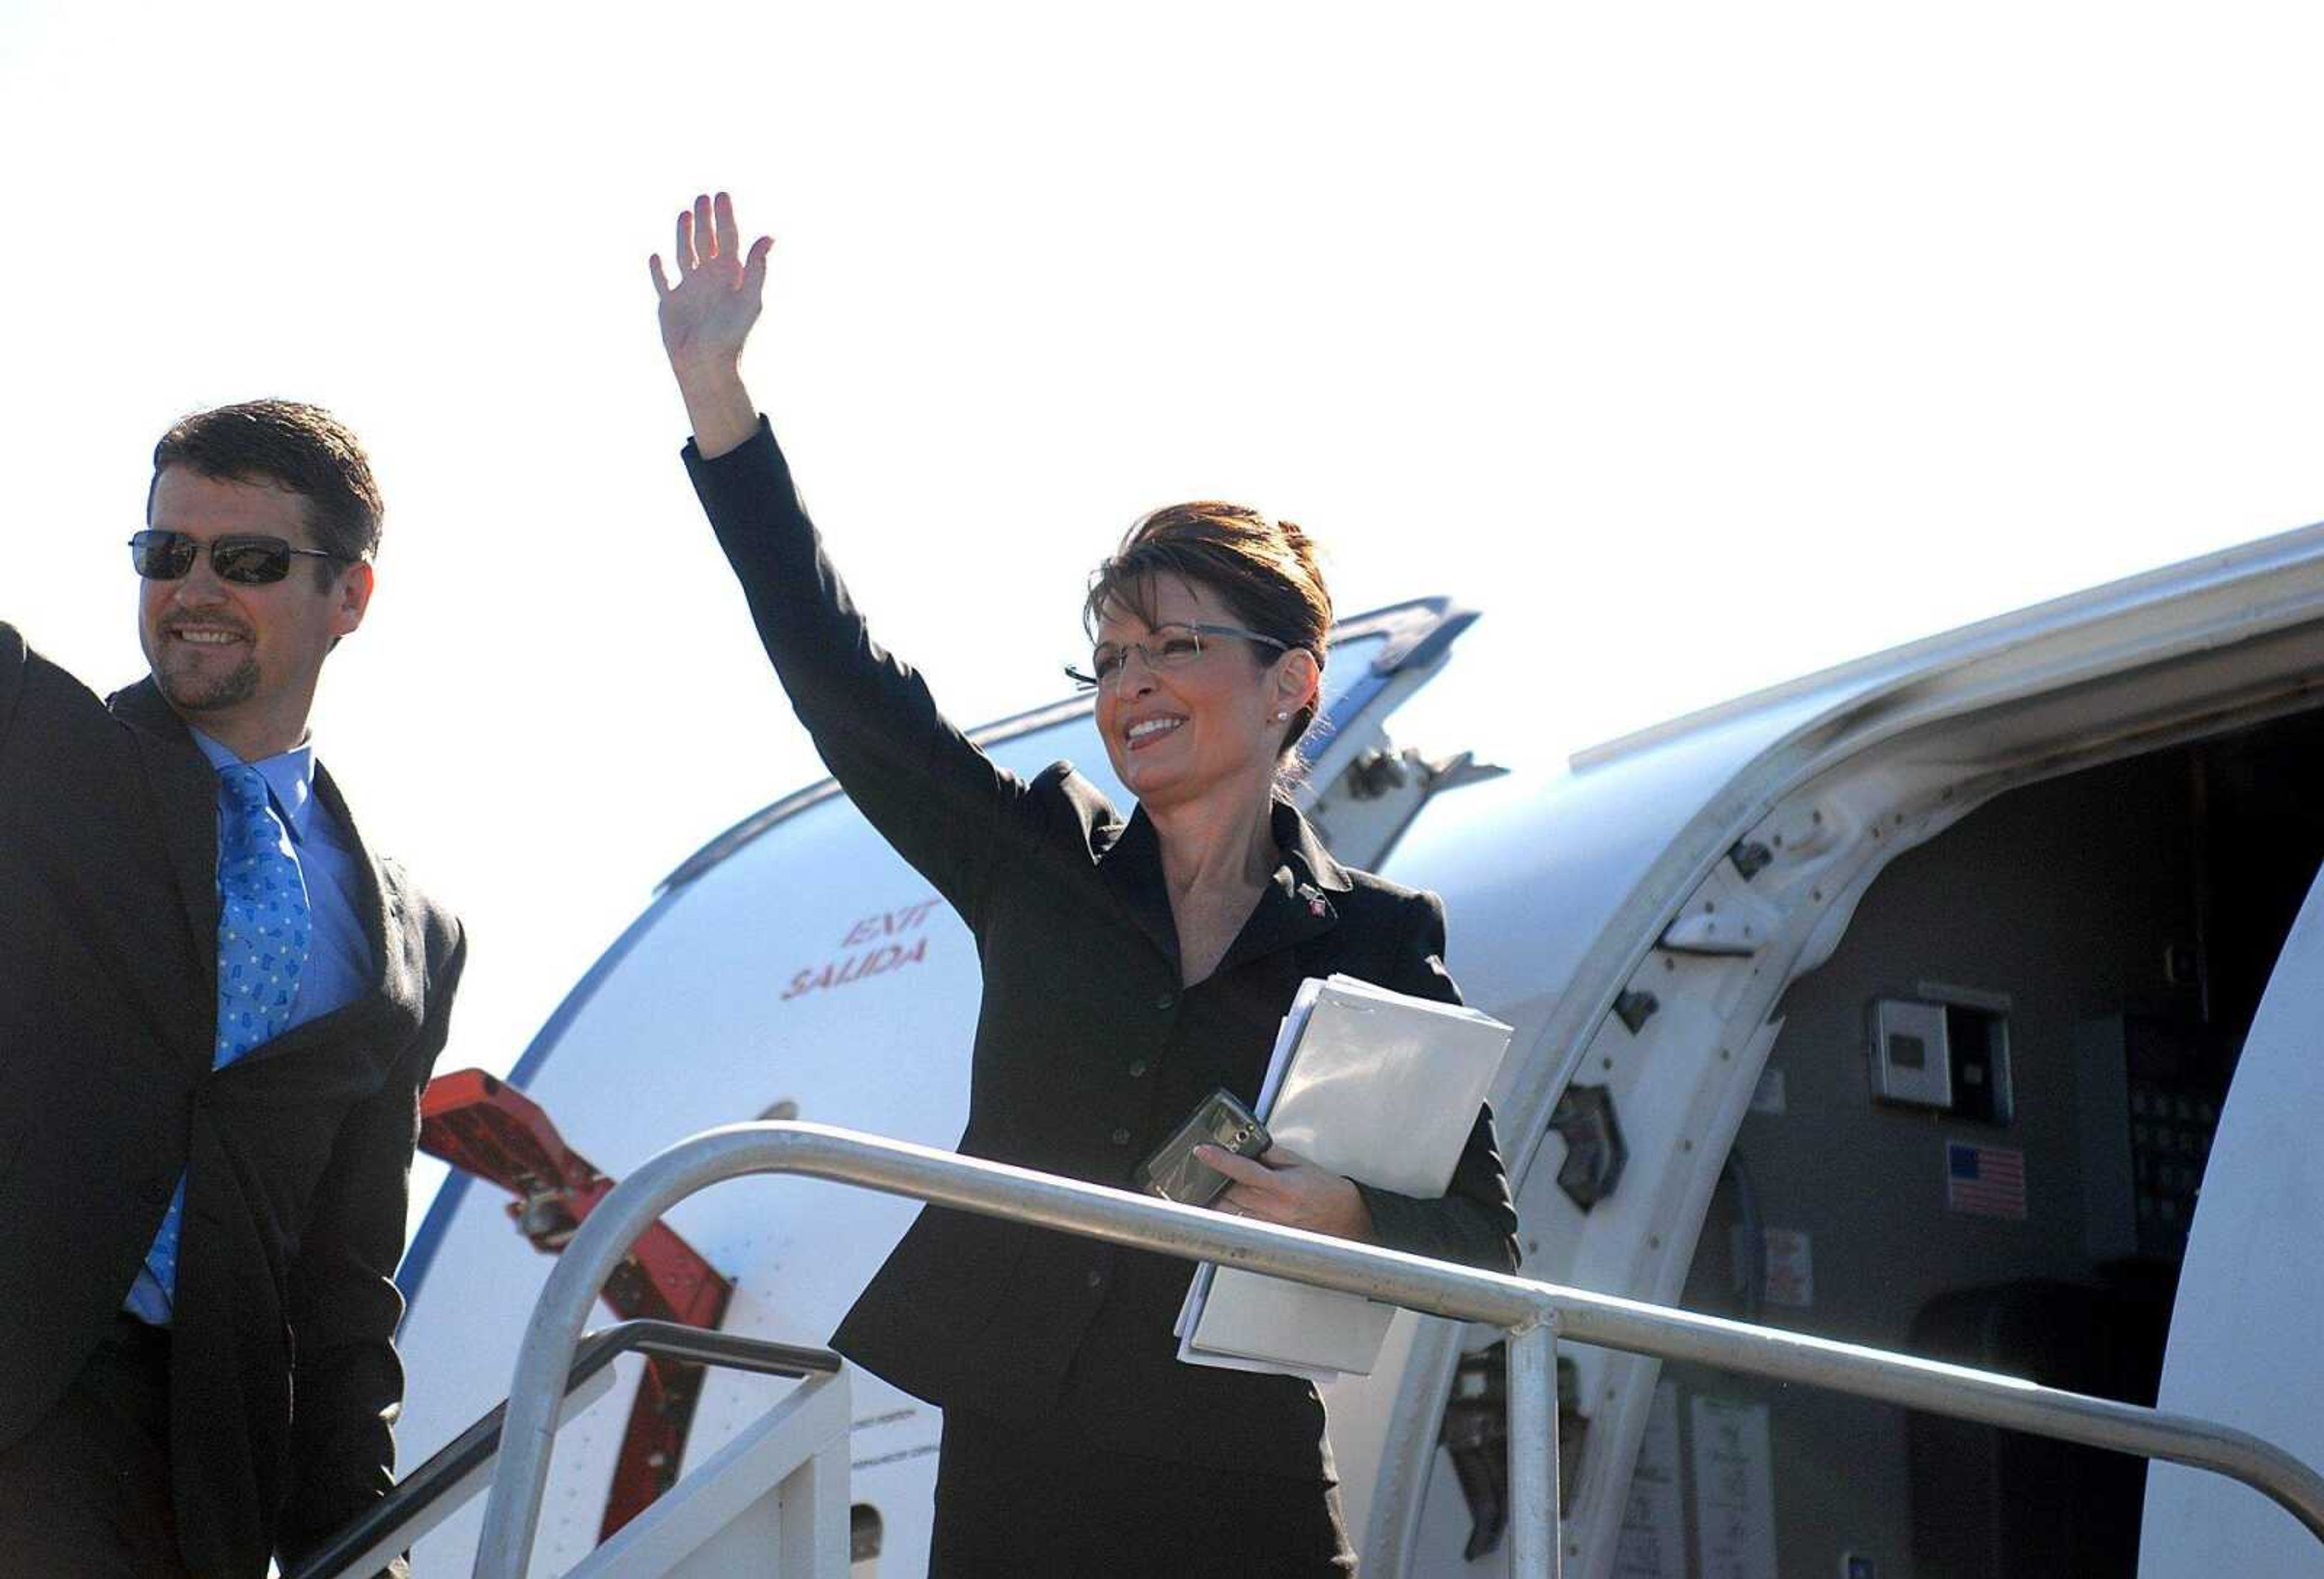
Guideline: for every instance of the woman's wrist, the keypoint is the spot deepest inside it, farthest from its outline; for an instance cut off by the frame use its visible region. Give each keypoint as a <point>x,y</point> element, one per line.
<point>718,405</point>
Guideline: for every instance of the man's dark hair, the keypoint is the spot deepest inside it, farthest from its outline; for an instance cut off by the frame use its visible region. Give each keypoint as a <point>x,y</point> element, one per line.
<point>296,446</point>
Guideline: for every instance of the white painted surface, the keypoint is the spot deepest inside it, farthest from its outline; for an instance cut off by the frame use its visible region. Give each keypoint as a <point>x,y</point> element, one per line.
<point>2244,1334</point>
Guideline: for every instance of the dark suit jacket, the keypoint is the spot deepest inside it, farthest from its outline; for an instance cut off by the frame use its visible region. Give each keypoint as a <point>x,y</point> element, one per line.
<point>283,1379</point>
<point>1088,1051</point>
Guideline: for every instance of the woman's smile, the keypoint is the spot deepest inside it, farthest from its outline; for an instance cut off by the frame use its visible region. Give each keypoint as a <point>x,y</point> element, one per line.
<point>1151,730</point>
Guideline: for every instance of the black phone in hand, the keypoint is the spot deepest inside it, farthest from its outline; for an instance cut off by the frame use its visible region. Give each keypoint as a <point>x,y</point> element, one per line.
<point>1174,1173</point>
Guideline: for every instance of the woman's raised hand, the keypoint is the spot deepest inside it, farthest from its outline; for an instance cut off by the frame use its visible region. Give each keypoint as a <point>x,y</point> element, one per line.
<point>707,316</point>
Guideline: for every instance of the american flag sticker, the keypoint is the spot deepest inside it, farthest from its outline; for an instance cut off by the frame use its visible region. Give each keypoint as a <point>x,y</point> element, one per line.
<point>1985,1181</point>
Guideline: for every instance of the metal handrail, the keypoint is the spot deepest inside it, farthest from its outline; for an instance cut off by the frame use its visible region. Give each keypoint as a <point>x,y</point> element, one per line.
<point>424,1487</point>
<point>1535,1316</point>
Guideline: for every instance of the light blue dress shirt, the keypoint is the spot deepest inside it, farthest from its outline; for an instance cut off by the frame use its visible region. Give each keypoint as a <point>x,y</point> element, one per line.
<point>340,967</point>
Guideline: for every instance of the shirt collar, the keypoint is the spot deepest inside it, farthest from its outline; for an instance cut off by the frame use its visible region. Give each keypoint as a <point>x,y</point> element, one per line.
<point>1305,859</point>
<point>1303,854</point>
<point>290,775</point>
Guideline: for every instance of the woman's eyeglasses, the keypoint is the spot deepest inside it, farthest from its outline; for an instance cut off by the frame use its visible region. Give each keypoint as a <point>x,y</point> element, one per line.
<point>245,558</point>
<point>1164,647</point>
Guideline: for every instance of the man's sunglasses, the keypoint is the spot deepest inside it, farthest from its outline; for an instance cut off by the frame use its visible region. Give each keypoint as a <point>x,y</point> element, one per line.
<point>246,559</point>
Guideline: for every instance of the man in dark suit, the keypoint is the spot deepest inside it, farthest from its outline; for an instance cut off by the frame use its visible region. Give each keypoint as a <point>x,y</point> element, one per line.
<point>218,1009</point>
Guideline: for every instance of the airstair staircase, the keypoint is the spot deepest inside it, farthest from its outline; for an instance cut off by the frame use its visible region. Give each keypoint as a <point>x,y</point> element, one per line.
<point>775,1500</point>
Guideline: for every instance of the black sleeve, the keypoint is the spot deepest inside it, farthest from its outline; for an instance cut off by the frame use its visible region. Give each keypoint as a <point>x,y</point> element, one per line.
<point>13,660</point>
<point>347,1381</point>
<point>932,794</point>
<point>1473,1222</point>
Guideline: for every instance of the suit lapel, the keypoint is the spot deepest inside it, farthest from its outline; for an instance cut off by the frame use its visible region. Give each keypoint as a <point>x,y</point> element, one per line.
<point>1132,870</point>
<point>1289,913</point>
<point>185,795</point>
<point>382,907</point>
<point>397,952</point>
<point>185,792</point>
<point>1299,901</point>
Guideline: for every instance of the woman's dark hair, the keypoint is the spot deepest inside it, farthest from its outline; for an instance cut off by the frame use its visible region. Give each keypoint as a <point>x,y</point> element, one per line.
<point>1263,568</point>
<point>299,448</point>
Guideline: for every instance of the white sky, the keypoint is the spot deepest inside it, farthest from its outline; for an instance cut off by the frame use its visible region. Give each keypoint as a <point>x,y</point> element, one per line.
<point>1698,346</point>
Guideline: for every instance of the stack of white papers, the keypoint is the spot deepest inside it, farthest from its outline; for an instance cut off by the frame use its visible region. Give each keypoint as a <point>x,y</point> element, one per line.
<point>1384,1088</point>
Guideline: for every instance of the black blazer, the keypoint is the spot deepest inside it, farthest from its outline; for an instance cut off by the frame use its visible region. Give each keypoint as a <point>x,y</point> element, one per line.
<point>283,1378</point>
<point>1088,1049</point>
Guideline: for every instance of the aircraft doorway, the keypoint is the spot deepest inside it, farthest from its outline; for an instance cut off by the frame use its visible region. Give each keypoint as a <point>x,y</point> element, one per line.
<point>2099,942</point>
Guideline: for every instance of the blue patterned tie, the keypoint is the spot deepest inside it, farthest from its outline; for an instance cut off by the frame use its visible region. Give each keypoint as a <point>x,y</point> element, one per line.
<point>262,926</point>
<point>263,919</point>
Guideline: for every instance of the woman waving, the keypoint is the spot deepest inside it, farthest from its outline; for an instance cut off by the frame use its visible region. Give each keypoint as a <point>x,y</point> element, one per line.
<point>1132,965</point>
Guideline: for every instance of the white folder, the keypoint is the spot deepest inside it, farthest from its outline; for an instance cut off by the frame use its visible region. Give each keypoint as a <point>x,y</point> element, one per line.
<point>1384,1088</point>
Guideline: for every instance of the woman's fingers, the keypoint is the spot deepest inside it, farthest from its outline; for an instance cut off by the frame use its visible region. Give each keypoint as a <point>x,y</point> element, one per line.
<point>1284,1187</point>
<point>1241,1170</point>
<point>661,281</point>
<point>707,233</point>
<point>723,233</point>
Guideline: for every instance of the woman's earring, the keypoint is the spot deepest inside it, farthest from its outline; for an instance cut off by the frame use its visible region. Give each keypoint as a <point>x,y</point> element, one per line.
<point>1283,717</point>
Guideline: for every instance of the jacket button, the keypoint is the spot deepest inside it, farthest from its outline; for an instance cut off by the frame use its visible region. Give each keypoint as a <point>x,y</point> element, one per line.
<point>1138,1069</point>
<point>1121,1137</point>
<point>156,1192</point>
<point>1166,1001</point>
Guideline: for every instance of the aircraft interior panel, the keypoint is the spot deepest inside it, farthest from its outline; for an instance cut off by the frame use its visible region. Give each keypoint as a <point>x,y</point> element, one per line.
<point>1979,1137</point>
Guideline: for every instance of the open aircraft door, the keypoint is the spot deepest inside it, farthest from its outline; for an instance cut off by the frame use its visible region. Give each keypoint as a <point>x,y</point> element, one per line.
<point>2245,1336</point>
<point>1655,920</point>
